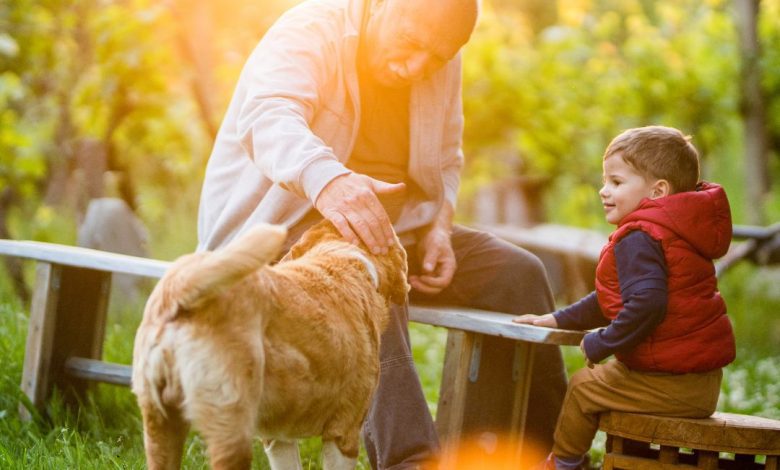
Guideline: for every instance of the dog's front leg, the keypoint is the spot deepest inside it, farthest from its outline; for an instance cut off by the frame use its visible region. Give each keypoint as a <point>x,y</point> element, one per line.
<point>282,455</point>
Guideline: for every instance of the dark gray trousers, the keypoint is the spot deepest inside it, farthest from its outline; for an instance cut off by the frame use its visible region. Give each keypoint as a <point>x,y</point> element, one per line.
<point>491,275</point>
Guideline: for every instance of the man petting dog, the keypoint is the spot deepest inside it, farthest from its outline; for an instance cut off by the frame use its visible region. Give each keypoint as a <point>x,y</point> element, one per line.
<point>351,110</point>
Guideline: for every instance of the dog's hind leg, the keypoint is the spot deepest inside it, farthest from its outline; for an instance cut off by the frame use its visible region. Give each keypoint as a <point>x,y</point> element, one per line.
<point>282,455</point>
<point>163,438</point>
<point>333,459</point>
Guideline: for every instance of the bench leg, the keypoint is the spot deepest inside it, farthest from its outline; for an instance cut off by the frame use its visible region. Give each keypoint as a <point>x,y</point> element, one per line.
<point>521,375</point>
<point>484,390</point>
<point>454,380</point>
<point>67,318</point>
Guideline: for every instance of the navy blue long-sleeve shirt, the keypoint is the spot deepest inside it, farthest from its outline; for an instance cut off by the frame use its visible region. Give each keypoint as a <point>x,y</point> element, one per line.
<point>642,276</point>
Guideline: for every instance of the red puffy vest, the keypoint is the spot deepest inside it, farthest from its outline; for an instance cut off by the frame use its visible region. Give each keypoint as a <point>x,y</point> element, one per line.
<point>693,228</point>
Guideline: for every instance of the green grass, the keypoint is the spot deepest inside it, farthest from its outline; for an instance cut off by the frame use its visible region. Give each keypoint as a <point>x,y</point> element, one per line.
<point>106,431</point>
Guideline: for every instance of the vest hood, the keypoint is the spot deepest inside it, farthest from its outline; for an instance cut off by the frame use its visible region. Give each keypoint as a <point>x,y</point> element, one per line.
<point>702,217</point>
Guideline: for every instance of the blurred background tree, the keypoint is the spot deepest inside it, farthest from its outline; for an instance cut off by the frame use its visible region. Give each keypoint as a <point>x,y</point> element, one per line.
<point>139,87</point>
<point>545,92</point>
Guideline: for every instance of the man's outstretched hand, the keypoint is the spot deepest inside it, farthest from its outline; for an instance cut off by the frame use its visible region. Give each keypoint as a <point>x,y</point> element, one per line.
<point>351,203</point>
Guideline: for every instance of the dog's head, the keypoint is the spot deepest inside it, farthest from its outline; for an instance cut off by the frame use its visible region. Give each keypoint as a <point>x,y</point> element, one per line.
<point>391,268</point>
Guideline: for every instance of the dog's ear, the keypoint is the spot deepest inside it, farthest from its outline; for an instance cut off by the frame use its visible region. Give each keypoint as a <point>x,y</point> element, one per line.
<point>395,270</point>
<point>197,283</point>
<point>323,230</point>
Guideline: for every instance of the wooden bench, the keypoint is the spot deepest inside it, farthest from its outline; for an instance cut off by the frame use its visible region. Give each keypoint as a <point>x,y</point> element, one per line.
<point>690,443</point>
<point>68,314</point>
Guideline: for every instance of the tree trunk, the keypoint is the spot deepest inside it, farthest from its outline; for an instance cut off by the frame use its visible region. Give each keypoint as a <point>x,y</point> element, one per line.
<point>753,112</point>
<point>195,37</point>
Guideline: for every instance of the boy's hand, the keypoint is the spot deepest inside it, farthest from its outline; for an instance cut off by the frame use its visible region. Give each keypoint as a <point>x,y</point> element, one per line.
<point>547,320</point>
<point>587,361</point>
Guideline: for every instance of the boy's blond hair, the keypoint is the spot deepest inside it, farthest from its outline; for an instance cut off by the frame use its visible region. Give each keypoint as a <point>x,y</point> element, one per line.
<point>659,152</point>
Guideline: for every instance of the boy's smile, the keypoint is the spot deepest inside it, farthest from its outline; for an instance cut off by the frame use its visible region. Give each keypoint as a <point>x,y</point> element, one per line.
<point>624,188</point>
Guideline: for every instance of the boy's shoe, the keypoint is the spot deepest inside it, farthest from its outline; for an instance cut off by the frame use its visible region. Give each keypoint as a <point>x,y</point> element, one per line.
<point>546,464</point>
<point>549,463</point>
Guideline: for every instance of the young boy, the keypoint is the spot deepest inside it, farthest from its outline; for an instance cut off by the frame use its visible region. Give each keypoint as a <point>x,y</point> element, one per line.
<point>656,294</point>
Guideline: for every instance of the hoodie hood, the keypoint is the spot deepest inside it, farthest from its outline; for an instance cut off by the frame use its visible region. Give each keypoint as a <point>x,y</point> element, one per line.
<point>702,217</point>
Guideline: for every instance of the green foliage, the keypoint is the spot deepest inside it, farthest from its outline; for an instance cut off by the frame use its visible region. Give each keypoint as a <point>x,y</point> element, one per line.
<point>79,71</point>
<point>548,104</point>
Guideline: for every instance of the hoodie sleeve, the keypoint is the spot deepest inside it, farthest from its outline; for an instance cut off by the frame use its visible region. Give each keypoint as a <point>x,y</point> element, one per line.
<point>283,86</point>
<point>642,276</point>
<point>452,144</point>
<point>581,315</point>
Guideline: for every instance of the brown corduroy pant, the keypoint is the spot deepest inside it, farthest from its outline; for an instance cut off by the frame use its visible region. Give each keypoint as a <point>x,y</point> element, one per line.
<point>614,387</point>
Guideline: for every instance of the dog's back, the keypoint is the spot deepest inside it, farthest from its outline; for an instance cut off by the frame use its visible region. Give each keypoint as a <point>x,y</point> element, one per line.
<point>190,365</point>
<point>231,345</point>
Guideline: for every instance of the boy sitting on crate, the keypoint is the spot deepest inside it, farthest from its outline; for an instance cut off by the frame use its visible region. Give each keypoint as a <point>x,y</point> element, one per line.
<point>656,294</point>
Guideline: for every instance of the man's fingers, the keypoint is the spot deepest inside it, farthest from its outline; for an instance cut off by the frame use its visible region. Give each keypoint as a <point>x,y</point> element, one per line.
<point>430,259</point>
<point>423,287</point>
<point>528,319</point>
<point>433,280</point>
<point>342,225</point>
<point>369,219</point>
<point>382,188</point>
<point>382,227</point>
<point>354,198</point>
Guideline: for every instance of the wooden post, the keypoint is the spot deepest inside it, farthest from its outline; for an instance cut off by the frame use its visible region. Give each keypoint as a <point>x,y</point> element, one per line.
<point>40,336</point>
<point>71,302</point>
<point>521,375</point>
<point>707,460</point>
<point>452,391</point>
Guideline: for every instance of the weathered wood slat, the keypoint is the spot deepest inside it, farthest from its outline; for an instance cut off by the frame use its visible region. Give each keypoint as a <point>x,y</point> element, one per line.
<point>79,257</point>
<point>40,336</point>
<point>616,461</point>
<point>491,323</point>
<point>98,371</point>
<point>722,432</point>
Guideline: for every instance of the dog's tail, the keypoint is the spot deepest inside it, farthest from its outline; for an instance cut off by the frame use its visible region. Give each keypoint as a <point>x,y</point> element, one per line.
<point>222,268</point>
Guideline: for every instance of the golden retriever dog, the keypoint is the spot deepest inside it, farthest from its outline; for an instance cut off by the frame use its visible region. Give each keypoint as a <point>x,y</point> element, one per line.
<point>236,347</point>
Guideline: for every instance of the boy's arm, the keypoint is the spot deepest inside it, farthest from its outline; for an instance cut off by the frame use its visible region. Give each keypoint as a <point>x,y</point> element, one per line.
<point>581,315</point>
<point>642,276</point>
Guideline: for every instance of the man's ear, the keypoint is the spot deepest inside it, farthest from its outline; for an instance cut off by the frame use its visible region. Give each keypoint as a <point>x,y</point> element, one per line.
<point>661,188</point>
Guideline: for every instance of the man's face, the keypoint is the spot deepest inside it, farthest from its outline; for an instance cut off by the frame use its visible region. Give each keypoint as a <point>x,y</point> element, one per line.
<point>408,40</point>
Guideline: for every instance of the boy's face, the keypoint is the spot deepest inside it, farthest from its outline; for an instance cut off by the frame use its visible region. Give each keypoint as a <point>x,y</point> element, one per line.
<point>623,189</point>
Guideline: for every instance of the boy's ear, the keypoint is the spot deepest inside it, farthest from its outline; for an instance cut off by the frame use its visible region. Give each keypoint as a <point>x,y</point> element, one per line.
<point>661,188</point>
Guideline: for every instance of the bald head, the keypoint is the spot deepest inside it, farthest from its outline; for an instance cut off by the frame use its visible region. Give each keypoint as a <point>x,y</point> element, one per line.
<point>408,40</point>
<point>450,22</point>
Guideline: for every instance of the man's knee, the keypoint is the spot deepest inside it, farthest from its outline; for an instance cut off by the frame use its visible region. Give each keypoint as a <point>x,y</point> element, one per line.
<point>526,267</point>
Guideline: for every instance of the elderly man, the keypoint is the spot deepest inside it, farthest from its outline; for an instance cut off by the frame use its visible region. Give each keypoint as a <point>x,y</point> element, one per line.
<point>351,110</point>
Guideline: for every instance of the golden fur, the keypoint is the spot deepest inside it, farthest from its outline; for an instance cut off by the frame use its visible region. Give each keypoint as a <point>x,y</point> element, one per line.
<point>236,347</point>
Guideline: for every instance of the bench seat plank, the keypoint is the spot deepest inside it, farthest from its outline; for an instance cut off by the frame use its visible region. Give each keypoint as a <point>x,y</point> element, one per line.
<point>491,323</point>
<point>723,432</point>
<point>88,258</point>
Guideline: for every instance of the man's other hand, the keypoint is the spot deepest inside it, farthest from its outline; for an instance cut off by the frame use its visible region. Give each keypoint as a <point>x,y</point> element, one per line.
<point>438,262</point>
